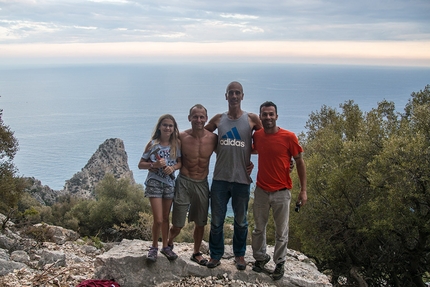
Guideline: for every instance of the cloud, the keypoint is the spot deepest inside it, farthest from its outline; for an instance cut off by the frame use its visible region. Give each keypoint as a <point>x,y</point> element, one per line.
<point>269,20</point>
<point>54,22</point>
<point>238,16</point>
<point>111,1</point>
<point>20,29</point>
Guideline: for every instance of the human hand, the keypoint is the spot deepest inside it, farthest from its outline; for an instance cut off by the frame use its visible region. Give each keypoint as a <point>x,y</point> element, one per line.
<point>303,197</point>
<point>249,168</point>
<point>161,162</point>
<point>169,170</point>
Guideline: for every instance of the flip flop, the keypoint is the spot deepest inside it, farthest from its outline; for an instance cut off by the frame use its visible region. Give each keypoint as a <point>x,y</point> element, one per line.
<point>202,262</point>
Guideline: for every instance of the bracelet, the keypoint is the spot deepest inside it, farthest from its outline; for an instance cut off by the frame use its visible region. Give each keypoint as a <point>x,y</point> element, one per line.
<point>151,165</point>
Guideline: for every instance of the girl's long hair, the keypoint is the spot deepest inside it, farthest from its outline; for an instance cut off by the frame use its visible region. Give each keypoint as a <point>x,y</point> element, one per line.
<point>174,137</point>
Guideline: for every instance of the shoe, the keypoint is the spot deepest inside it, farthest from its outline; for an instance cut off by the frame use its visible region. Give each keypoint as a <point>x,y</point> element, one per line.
<point>213,263</point>
<point>259,264</point>
<point>166,251</point>
<point>240,263</point>
<point>278,273</point>
<point>171,246</point>
<point>202,262</point>
<point>152,254</point>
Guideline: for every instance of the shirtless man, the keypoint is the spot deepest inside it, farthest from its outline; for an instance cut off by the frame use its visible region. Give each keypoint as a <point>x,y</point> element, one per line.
<point>231,175</point>
<point>192,188</point>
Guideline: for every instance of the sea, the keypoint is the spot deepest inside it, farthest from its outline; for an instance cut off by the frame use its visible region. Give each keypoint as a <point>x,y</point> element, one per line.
<point>60,114</point>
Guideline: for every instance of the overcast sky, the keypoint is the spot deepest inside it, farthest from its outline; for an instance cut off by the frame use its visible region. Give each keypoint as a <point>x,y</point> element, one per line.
<point>395,32</point>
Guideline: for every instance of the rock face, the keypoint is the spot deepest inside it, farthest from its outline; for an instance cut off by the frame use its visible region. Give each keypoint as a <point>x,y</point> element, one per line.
<point>127,264</point>
<point>42,193</point>
<point>110,157</point>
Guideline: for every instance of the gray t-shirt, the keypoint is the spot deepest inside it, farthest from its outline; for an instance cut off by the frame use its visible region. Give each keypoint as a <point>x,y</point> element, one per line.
<point>164,152</point>
<point>234,149</point>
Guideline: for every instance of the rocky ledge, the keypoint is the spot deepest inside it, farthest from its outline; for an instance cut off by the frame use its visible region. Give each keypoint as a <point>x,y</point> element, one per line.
<point>127,264</point>
<point>65,259</point>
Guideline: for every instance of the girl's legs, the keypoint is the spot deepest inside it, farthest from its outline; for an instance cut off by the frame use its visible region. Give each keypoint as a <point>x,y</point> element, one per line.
<point>160,211</point>
<point>157,213</point>
<point>166,206</point>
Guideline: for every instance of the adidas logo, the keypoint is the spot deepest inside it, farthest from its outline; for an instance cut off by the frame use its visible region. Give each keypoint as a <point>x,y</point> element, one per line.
<point>232,138</point>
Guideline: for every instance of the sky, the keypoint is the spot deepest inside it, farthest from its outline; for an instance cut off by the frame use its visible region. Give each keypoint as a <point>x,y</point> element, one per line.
<point>370,32</point>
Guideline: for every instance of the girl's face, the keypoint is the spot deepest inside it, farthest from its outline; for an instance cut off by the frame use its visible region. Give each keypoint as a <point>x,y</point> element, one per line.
<point>166,127</point>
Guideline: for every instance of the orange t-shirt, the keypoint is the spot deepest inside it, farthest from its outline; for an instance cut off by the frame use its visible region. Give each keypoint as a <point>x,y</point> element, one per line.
<point>274,156</point>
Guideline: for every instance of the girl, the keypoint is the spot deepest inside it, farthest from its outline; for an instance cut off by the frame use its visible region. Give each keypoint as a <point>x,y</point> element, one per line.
<point>162,156</point>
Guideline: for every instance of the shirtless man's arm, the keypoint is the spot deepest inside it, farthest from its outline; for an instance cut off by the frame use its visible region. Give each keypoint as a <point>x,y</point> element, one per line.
<point>213,123</point>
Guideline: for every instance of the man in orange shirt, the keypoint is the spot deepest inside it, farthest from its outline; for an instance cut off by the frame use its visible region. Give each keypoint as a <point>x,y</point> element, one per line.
<point>275,147</point>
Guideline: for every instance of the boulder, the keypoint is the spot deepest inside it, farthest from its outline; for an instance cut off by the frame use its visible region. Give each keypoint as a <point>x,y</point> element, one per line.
<point>4,254</point>
<point>6,242</point>
<point>57,258</point>
<point>127,264</point>
<point>56,234</point>
<point>20,256</point>
<point>7,266</point>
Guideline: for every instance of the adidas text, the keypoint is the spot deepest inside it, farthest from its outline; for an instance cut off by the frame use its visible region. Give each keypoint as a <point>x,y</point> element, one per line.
<point>232,142</point>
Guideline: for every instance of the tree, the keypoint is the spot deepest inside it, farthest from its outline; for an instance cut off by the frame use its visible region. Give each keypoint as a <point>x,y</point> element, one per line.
<point>330,225</point>
<point>118,202</point>
<point>400,175</point>
<point>367,219</point>
<point>11,186</point>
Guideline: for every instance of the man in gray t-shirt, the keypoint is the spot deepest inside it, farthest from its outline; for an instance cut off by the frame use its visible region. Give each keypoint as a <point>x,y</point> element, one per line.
<point>231,179</point>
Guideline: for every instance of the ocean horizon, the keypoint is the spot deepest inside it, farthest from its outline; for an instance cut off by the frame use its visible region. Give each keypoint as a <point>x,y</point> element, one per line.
<point>61,114</point>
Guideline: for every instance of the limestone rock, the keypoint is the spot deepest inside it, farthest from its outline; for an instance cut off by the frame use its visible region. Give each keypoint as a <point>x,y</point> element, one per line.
<point>20,256</point>
<point>110,157</point>
<point>7,266</point>
<point>56,234</point>
<point>58,258</point>
<point>127,264</point>
<point>4,254</point>
<point>42,193</point>
<point>3,218</point>
<point>6,242</point>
